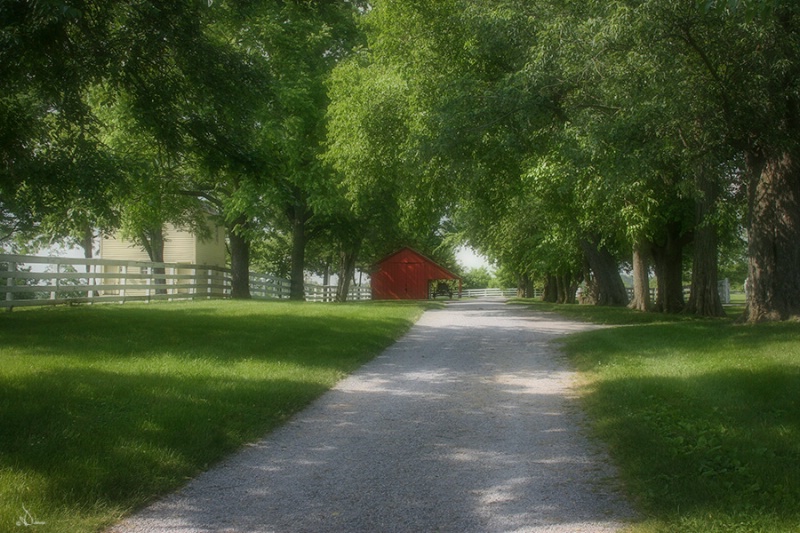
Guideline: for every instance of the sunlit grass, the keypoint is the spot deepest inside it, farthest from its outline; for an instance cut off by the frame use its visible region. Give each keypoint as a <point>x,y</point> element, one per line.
<point>701,416</point>
<point>103,408</point>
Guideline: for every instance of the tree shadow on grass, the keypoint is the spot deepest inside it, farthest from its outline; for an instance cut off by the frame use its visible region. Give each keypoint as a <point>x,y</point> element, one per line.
<point>114,440</point>
<point>696,339</point>
<point>721,444</point>
<point>104,333</point>
<point>109,406</point>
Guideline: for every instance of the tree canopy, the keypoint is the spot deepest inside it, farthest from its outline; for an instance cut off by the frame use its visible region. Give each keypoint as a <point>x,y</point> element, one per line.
<point>566,140</point>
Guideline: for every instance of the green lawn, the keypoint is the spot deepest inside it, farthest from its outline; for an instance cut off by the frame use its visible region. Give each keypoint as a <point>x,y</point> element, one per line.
<point>105,407</point>
<point>701,416</point>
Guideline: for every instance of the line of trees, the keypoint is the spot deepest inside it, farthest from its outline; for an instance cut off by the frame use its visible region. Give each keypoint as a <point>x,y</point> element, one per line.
<point>127,115</point>
<point>571,137</point>
<point>561,138</point>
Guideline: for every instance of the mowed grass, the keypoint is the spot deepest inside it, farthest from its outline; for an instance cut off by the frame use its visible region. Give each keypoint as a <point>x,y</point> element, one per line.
<point>701,416</point>
<point>103,408</point>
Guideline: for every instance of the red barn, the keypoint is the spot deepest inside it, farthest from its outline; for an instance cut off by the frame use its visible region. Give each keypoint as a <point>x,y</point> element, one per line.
<point>408,275</point>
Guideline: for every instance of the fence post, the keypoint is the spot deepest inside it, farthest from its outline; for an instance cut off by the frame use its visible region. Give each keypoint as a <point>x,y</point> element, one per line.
<point>150,281</point>
<point>91,281</point>
<point>123,281</point>
<point>54,294</point>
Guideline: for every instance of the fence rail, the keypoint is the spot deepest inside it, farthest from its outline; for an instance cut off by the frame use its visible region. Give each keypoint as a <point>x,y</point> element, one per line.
<point>482,293</point>
<point>59,280</point>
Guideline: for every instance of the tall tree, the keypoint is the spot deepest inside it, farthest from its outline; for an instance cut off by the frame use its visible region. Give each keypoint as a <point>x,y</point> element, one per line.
<point>748,55</point>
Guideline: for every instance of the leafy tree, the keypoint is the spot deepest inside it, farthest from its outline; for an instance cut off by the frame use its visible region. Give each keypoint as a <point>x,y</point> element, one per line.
<point>739,66</point>
<point>477,278</point>
<point>305,40</point>
<point>384,199</point>
<point>51,159</point>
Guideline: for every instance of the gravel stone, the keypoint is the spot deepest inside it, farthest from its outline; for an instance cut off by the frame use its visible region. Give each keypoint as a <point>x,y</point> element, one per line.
<point>466,424</point>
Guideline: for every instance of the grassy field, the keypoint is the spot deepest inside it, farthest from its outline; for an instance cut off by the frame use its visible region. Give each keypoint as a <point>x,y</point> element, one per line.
<point>105,407</point>
<point>702,417</point>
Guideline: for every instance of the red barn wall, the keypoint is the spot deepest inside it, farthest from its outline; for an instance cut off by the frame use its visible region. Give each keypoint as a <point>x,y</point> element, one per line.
<point>405,276</point>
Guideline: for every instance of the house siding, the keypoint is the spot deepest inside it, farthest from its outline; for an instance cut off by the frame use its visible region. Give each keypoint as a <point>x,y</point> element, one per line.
<point>113,248</point>
<point>179,247</point>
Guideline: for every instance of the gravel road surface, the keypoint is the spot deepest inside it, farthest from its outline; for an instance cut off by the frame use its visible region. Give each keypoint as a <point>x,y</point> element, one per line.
<point>466,424</point>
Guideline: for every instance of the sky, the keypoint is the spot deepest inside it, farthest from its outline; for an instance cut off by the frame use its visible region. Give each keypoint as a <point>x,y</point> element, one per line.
<point>470,259</point>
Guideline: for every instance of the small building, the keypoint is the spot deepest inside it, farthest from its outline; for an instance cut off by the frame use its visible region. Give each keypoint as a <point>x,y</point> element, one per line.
<point>183,248</point>
<point>180,246</point>
<point>408,275</point>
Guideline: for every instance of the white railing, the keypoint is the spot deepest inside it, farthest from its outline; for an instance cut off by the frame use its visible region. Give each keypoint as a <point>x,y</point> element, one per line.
<point>327,293</point>
<point>723,288</point>
<point>484,293</point>
<point>29,280</point>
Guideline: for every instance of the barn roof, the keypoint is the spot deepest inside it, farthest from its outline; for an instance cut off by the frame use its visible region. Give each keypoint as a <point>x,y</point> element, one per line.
<point>387,259</point>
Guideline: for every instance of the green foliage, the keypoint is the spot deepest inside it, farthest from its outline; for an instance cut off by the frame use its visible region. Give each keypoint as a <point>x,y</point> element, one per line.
<point>118,405</point>
<point>477,278</point>
<point>566,122</point>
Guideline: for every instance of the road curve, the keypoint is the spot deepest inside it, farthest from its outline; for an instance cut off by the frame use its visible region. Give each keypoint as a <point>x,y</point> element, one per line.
<point>466,424</point>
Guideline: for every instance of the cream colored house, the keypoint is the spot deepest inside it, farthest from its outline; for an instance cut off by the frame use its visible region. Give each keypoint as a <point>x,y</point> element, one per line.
<point>180,247</point>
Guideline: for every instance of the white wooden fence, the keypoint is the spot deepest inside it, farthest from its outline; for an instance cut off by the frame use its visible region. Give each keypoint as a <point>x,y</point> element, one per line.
<point>29,280</point>
<point>483,293</point>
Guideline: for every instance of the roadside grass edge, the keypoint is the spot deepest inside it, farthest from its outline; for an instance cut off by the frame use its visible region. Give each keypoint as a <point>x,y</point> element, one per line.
<point>700,416</point>
<point>105,408</point>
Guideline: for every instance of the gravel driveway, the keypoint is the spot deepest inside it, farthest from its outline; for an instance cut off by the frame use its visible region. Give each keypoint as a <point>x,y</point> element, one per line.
<point>467,424</point>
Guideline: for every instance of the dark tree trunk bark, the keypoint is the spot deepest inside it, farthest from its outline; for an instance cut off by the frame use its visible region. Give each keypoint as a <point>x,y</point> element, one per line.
<point>326,274</point>
<point>641,276</point>
<point>153,242</point>
<point>774,237</point>
<point>240,260</point>
<point>525,287</point>
<point>550,293</point>
<point>87,243</point>
<point>606,284</point>
<point>297,290</point>
<point>347,271</point>
<point>574,282</point>
<point>704,297</point>
<point>561,289</point>
<point>668,264</point>
<point>567,287</point>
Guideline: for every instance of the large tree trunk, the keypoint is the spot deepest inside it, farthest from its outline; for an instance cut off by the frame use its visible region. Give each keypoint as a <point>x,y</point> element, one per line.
<point>87,243</point>
<point>525,286</point>
<point>573,281</point>
<point>240,260</point>
<point>567,286</point>
<point>562,288</point>
<point>641,276</point>
<point>704,297</point>
<point>550,293</point>
<point>153,242</point>
<point>606,284</point>
<point>297,290</point>
<point>668,264</point>
<point>347,271</point>
<point>774,237</point>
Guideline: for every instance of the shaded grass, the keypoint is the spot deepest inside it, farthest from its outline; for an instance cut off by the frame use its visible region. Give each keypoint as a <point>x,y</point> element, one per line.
<point>701,416</point>
<point>604,315</point>
<point>105,407</point>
